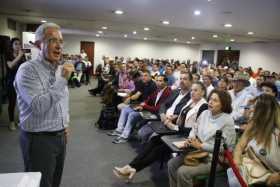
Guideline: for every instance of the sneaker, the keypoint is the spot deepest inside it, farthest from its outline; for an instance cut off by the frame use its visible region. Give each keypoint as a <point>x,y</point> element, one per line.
<point>120,140</point>
<point>114,133</point>
<point>12,126</point>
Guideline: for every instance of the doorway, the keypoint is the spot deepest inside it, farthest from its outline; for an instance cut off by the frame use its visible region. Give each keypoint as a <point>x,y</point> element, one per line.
<point>208,55</point>
<point>228,58</point>
<point>88,47</point>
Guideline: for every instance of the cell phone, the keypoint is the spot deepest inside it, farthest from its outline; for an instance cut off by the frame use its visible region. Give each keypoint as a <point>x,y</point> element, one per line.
<point>26,50</point>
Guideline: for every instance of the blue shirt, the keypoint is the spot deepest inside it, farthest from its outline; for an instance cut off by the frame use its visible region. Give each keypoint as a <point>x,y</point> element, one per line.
<point>42,95</point>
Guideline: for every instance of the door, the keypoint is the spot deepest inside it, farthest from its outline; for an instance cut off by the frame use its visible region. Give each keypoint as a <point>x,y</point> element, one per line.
<point>89,50</point>
<point>228,58</point>
<point>208,55</point>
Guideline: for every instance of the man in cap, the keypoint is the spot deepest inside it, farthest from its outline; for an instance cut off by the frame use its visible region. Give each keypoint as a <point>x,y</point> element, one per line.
<point>239,95</point>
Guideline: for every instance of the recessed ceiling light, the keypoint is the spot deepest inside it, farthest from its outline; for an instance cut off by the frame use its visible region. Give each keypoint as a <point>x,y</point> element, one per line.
<point>197,12</point>
<point>175,39</point>
<point>188,42</point>
<point>251,33</point>
<point>97,35</point>
<point>209,0</point>
<point>145,38</point>
<point>227,25</point>
<point>134,32</point>
<point>43,21</point>
<point>232,40</point>
<point>100,32</point>
<point>104,27</point>
<point>215,36</point>
<point>118,12</point>
<point>193,38</point>
<point>125,35</point>
<point>146,29</point>
<point>165,22</point>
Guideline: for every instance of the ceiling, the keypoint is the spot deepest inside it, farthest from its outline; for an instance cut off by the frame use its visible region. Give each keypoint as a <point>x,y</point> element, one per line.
<point>88,16</point>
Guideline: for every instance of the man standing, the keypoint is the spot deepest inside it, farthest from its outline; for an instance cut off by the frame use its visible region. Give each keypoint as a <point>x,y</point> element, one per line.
<point>41,85</point>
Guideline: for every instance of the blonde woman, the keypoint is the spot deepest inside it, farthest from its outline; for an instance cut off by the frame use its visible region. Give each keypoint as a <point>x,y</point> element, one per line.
<point>263,137</point>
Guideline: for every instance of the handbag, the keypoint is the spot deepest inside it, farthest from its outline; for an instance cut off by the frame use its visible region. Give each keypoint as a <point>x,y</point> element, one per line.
<point>253,168</point>
<point>196,157</point>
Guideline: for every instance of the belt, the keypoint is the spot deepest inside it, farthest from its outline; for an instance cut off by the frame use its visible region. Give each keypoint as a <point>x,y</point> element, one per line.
<point>53,133</point>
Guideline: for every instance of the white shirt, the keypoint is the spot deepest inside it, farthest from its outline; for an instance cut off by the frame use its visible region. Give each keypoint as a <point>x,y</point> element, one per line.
<point>170,110</point>
<point>159,95</point>
<point>207,127</point>
<point>239,101</point>
<point>209,89</point>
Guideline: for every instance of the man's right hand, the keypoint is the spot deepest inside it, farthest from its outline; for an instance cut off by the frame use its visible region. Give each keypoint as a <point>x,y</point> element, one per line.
<point>67,70</point>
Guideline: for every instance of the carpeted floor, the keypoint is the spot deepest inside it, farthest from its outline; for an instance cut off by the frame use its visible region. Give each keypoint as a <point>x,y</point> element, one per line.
<point>90,153</point>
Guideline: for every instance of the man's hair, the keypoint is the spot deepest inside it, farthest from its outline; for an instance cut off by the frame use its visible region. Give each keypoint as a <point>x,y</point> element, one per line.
<point>188,74</point>
<point>165,79</point>
<point>270,85</point>
<point>40,31</point>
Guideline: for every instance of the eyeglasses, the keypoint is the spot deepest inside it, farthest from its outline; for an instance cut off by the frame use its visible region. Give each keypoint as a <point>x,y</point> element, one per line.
<point>55,41</point>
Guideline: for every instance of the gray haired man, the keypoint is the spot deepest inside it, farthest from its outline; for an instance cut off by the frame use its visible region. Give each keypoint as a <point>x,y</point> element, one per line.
<point>42,95</point>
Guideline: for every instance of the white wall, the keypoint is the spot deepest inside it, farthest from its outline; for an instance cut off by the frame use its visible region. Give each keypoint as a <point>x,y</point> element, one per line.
<point>256,55</point>
<point>265,55</point>
<point>131,48</point>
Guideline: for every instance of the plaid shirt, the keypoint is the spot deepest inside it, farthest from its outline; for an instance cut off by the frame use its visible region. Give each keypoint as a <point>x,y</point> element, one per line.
<point>42,95</point>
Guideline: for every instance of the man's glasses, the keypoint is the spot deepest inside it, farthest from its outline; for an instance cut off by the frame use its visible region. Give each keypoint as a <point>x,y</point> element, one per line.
<point>55,41</point>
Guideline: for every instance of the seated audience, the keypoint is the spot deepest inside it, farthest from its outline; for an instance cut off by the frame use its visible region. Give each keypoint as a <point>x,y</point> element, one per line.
<point>203,138</point>
<point>143,88</point>
<point>130,115</point>
<point>170,109</point>
<point>262,139</point>
<point>156,148</point>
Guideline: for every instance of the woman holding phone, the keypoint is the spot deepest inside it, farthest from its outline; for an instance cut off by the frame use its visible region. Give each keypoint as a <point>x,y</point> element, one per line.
<point>14,59</point>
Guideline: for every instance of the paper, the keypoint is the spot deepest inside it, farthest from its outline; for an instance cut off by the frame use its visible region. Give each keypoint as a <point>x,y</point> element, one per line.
<point>122,94</point>
<point>179,144</point>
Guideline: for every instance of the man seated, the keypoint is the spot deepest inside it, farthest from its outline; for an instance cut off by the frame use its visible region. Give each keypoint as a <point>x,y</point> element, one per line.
<point>130,115</point>
<point>144,87</point>
<point>240,96</point>
<point>170,109</point>
<point>169,75</point>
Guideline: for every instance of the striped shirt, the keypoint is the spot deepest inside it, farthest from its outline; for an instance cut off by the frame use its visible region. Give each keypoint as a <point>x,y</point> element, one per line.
<point>42,96</point>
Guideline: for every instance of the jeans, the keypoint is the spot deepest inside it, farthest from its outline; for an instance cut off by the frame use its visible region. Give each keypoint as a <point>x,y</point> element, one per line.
<point>127,121</point>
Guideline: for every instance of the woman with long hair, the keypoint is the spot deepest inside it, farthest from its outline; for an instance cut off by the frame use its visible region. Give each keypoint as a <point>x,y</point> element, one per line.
<point>262,136</point>
<point>14,59</point>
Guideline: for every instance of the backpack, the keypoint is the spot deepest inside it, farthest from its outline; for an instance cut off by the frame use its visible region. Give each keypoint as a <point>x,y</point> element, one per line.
<point>108,118</point>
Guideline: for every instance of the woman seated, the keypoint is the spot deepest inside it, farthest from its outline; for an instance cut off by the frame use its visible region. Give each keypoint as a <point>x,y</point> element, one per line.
<point>217,117</point>
<point>156,148</point>
<point>262,137</point>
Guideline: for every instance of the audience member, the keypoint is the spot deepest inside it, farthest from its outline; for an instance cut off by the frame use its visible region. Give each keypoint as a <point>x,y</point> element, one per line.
<point>216,118</point>
<point>14,60</point>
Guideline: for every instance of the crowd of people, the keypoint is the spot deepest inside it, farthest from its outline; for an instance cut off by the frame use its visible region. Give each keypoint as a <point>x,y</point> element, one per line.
<point>153,98</point>
<point>194,101</point>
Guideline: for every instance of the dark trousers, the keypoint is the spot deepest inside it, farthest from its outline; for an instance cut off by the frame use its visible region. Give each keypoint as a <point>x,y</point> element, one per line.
<point>12,96</point>
<point>45,154</point>
<point>152,152</point>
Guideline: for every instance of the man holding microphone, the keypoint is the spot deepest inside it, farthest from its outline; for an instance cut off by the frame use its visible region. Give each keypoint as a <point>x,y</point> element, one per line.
<point>43,101</point>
